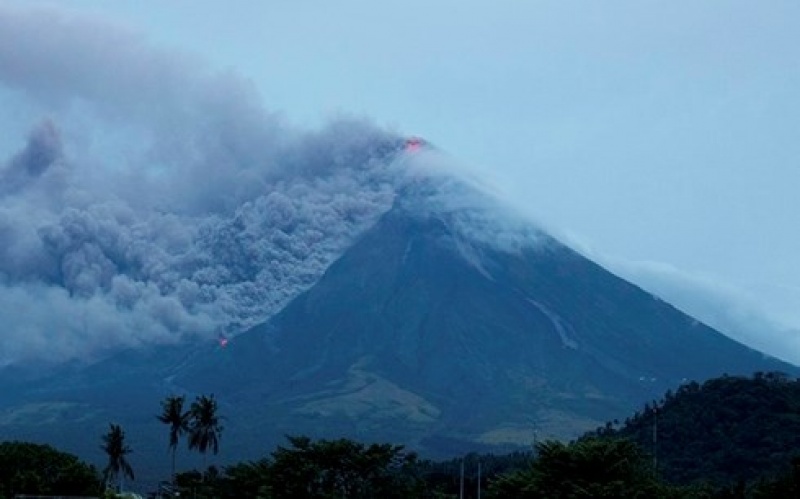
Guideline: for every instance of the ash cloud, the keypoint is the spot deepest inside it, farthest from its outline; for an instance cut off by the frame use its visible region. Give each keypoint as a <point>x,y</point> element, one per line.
<point>85,269</point>
<point>43,148</point>
<point>159,199</point>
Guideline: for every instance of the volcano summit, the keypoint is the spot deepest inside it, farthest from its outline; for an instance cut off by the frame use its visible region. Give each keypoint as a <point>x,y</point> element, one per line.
<point>446,322</point>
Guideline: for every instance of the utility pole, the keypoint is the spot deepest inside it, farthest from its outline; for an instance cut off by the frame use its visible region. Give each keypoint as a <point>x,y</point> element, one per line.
<point>461,487</point>
<point>655,441</point>
<point>479,480</point>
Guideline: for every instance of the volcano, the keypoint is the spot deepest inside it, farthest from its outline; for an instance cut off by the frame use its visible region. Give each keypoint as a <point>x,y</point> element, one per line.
<point>449,325</point>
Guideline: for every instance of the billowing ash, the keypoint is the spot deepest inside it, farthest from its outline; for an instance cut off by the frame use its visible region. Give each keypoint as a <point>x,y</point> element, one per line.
<point>84,269</point>
<point>149,199</point>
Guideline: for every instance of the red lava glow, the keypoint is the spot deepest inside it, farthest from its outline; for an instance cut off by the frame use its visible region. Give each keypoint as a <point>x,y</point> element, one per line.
<point>413,144</point>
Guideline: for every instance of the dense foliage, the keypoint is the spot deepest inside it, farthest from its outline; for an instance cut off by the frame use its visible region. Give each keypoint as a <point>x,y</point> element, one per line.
<point>444,478</point>
<point>318,469</point>
<point>27,468</point>
<point>731,437</point>
<point>588,468</point>
<point>725,431</point>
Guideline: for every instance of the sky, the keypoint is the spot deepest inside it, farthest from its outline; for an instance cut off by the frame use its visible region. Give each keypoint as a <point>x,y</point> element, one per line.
<point>660,138</point>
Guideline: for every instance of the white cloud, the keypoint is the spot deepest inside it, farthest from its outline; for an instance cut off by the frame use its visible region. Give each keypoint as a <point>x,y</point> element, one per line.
<point>727,308</point>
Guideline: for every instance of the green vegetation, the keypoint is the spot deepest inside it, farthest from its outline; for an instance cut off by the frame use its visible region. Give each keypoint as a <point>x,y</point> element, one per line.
<point>731,437</point>
<point>588,468</point>
<point>204,427</point>
<point>305,469</point>
<point>726,431</point>
<point>116,449</point>
<point>27,468</point>
<point>444,478</point>
<point>200,422</point>
<point>173,415</point>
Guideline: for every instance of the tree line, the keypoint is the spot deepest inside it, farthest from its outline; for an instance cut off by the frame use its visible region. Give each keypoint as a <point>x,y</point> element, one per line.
<point>201,422</point>
<point>742,434</point>
<point>28,468</point>
<point>726,430</point>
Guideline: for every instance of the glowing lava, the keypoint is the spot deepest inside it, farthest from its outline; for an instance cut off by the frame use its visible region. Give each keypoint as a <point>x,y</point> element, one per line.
<point>414,144</point>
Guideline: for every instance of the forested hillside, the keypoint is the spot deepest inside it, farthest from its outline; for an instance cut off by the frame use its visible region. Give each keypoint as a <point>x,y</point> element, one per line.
<point>727,430</point>
<point>730,437</point>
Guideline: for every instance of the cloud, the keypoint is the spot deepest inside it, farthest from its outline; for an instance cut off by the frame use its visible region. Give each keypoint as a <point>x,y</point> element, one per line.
<point>724,307</point>
<point>158,199</point>
<point>43,148</point>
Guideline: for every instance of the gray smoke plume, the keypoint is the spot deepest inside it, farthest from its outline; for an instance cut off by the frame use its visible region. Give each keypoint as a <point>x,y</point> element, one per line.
<point>159,199</point>
<point>43,148</point>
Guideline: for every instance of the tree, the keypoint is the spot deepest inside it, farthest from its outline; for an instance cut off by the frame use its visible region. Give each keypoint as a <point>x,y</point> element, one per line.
<point>744,428</point>
<point>204,426</point>
<point>588,468</point>
<point>173,415</point>
<point>27,468</point>
<point>115,447</point>
<point>248,479</point>
<point>342,468</point>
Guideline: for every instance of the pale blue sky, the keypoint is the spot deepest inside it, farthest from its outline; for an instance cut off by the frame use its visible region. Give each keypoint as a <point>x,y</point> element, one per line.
<point>660,137</point>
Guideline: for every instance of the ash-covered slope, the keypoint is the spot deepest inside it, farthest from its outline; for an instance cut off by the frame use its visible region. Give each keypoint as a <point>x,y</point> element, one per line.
<point>96,260</point>
<point>447,326</point>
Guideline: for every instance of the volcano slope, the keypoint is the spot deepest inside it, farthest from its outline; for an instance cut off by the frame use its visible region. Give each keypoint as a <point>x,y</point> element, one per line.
<point>448,328</point>
<point>448,325</point>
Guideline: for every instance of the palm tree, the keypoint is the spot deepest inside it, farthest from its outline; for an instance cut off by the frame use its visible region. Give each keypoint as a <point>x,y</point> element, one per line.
<point>172,414</point>
<point>116,449</point>
<point>204,427</point>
